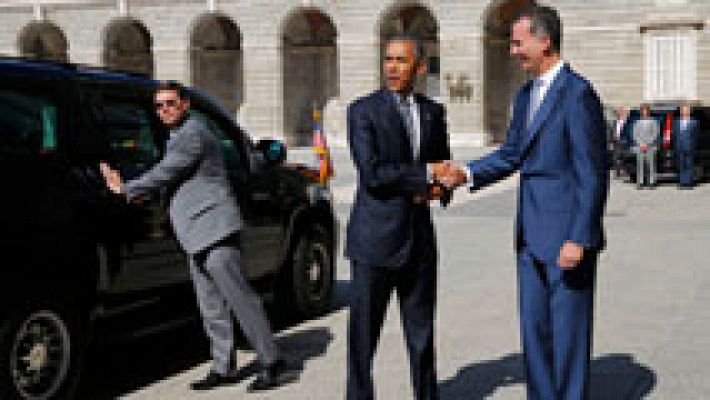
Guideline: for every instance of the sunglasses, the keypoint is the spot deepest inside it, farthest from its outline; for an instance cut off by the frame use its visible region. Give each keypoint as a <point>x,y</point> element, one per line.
<point>166,104</point>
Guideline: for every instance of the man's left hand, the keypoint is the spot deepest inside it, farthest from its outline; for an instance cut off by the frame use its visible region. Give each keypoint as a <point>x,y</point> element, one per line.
<point>570,255</point>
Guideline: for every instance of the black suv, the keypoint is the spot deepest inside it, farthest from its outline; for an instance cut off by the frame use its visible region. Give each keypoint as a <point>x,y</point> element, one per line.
<point>81,266</point>
<point>666,159</point>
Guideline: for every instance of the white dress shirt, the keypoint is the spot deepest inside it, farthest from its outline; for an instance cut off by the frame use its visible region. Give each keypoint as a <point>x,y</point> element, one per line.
<point>619,128</point>
<point>540,87</point>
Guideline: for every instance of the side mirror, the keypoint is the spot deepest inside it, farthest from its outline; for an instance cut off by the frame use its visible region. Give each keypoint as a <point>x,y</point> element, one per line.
<point>273,152</point>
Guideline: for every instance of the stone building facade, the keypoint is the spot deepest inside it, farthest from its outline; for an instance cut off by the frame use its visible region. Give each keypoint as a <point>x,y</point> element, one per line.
<point>273,61</point>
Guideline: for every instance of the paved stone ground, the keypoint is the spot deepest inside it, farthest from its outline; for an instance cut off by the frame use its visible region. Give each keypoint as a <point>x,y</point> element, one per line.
<point>652,313</point>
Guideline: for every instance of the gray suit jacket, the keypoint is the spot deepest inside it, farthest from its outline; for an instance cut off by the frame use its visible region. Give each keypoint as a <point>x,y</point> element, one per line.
<point>203,209</point>
<point>646,131</point>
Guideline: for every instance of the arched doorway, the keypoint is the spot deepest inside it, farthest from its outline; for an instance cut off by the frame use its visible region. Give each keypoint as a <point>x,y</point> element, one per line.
<point>418,21</point>
<point>310,70</point>
<point>42,40</point>
<point>216,60</point>
<point>502,76</point>
<point>128,47</point>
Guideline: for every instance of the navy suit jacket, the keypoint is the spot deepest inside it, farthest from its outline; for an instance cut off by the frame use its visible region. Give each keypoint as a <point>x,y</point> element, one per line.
<point>562,161</point>
<point>685,139</point>
<point>384,219</point>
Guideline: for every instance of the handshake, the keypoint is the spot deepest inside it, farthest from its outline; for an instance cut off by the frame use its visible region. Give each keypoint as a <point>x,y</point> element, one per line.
<point>445,177</point>
<point>448,174</point>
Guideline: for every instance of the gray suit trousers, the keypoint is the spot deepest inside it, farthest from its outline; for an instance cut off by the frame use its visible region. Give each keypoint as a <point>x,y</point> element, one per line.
<point>646,161</point>
<point>222,291</point>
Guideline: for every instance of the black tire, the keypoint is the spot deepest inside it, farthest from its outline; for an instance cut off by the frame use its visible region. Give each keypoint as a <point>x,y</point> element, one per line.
<point>308,277</point>
<point>42,348</point>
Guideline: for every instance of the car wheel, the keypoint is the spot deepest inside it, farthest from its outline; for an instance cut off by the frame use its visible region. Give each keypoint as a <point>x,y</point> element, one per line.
<point>40,353</point>
<point>309,280</point>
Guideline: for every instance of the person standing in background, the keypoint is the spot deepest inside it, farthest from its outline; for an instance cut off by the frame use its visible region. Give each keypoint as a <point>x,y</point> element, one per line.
<point>645,135</point>
<point>616,140</point>
<point>685,131</point>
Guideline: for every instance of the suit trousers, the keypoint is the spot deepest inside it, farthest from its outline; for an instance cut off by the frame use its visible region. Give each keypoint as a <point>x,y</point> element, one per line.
<point>222,292</point>
<point>617,157</point>
<point>556,308</point>
<point>646,161</point>
<point>685,167</point>
<point>372,287</point>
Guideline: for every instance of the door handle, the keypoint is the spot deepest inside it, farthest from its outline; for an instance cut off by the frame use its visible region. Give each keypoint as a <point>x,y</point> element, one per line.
<point>260,196</point>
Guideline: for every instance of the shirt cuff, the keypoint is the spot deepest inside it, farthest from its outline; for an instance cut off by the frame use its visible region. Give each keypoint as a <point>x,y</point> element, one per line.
<point>469,177</point>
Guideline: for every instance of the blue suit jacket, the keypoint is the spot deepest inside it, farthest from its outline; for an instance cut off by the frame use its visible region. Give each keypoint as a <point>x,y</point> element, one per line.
<point>562,158</point>
<point>685,139</point>
<point>384,219</point>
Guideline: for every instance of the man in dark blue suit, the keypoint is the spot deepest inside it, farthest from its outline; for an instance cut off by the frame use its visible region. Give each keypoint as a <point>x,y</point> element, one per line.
<point>557,141</point>
<point>685,130</point>
<point>396,138</point>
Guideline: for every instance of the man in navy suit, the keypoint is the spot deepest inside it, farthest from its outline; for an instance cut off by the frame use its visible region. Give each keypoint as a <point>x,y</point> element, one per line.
<point>685,129</point>
<point>395,137</point>
<point>557,141</point>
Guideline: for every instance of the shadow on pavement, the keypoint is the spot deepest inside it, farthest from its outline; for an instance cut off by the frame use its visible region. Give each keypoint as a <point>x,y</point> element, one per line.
<point>125,367</point>
<point>614,377</point>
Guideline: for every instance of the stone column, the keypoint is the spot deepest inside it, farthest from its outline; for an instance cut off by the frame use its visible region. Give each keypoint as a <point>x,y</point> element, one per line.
<point>262,110</point>
<point>359,73</point>
<point>462,84</point>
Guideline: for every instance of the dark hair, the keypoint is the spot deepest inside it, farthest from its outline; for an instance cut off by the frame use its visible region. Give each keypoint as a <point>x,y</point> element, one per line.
<point>172,86</point>
<point>419,52</point>
<point>545,21</point>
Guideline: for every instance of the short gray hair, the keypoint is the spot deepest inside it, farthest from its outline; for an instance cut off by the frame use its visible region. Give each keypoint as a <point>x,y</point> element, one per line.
<point>419,52</point>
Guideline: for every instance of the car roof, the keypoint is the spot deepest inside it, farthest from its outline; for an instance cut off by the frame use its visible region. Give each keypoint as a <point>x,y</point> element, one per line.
<point>62,70</point>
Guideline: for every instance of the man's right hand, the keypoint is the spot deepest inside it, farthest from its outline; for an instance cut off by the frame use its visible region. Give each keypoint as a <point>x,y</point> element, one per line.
<point>112,178</point>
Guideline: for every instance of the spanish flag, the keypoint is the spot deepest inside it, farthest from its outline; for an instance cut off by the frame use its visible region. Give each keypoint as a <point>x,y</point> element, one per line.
<point>667,130</point>
<point>320,147</point>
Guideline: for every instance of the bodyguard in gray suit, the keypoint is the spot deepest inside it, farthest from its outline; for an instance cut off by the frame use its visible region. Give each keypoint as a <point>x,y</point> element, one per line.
<point>645,134</point>
<point>206,220</point>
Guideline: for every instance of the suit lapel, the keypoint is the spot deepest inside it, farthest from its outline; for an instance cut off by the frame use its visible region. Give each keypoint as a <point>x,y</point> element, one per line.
<point>424,111</point>
<point>548,104</point>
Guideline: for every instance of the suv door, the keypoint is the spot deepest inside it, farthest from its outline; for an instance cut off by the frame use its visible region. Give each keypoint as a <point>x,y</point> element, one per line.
<point>38,220</point>
<point>142,254</point>
<point>263,233</point>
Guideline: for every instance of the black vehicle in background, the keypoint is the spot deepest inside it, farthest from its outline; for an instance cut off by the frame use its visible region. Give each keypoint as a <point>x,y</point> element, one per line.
<point>666,160</point>
<point>81,266</point>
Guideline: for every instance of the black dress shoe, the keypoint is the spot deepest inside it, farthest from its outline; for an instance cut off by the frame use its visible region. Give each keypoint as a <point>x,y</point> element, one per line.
<point>273,376</point>
<point>213,380</point>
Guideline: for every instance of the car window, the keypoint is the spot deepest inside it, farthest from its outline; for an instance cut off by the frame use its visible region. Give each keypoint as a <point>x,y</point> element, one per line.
<point>232,152</point>
<point>132,139</point>
<point>28,123</point>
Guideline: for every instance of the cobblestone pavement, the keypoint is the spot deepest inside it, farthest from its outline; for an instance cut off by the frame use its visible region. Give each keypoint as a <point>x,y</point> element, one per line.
<point>651,327</point>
